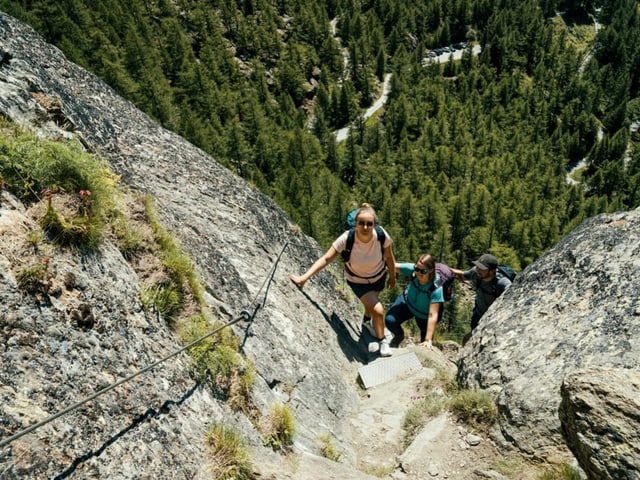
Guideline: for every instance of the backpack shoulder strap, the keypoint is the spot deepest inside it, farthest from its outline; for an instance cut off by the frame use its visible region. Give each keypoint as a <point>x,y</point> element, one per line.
<point>437,283</point>
<point>351,238</point>
<point>381,238</point>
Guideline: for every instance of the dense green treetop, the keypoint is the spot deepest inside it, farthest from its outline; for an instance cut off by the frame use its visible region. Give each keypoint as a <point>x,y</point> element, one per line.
<point>467,156</point>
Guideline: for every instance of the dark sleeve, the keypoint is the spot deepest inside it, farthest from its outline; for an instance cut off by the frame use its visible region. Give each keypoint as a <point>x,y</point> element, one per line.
<point>470,274</point>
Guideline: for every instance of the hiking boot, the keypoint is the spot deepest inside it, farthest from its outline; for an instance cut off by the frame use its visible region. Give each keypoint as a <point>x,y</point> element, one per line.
<point>385,349</point>
<point>374,346</point>
<point>397,339</point>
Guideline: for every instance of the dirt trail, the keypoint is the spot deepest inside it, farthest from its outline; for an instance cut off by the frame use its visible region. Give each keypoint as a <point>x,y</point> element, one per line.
<point>440,449</point>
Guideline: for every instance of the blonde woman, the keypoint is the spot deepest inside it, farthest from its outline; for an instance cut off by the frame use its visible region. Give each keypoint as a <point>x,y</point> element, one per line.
<point>366,270</point>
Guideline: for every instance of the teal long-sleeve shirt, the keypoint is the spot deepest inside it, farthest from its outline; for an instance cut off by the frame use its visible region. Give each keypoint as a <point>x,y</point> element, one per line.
<point>419,297</point>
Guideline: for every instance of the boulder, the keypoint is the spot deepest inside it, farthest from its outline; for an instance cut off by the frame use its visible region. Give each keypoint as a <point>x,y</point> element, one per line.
<point>577,306</point>
<point>600,418</point>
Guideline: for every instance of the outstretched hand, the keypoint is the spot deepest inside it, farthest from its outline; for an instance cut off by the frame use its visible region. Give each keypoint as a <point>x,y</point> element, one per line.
<point>427,344</point>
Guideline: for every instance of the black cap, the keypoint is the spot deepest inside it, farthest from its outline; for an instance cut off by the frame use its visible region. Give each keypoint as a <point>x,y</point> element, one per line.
<point>486,262</point>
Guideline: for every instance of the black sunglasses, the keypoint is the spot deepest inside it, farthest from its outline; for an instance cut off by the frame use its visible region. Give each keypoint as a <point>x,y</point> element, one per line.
<point>362,223</point>
<point>422,271</point>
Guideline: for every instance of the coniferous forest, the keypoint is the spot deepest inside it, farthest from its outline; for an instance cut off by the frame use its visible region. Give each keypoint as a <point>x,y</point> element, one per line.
<point>465,157</point>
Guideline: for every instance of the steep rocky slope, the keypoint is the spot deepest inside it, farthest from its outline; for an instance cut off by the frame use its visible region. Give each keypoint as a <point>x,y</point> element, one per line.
<point>233,234</point>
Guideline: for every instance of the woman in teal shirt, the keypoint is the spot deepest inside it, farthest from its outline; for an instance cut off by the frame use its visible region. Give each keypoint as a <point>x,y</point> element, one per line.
<point>421,300</point>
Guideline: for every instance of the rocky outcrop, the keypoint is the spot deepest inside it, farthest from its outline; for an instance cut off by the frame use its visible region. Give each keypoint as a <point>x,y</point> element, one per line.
<point>243,246</point>
<point>600,416</point>
<point>577,306</point>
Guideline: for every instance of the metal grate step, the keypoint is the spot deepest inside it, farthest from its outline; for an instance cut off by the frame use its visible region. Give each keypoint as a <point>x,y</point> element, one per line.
<point>386,369</point>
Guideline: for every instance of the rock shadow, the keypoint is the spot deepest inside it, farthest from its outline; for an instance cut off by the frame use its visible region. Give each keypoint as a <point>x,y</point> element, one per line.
<point>148,414</point>
<point>349,338</point>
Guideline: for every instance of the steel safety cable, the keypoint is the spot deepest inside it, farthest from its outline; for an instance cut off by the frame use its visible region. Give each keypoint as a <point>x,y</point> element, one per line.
<point>267,281</point>
<point>10,439</point>
<point>244,315</point>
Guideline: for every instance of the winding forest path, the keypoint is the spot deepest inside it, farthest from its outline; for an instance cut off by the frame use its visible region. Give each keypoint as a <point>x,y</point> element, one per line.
<point>343,133</point>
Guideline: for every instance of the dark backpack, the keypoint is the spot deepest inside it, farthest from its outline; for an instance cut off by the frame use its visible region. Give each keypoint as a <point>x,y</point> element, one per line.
<point>350,224</point>
<point>445,280</point>
<point>507,271</point>
<point>502,270</point>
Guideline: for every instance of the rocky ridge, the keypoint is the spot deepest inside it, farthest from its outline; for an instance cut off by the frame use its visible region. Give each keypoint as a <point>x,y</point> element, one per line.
<point>233,234</point>
<point>576,308</point>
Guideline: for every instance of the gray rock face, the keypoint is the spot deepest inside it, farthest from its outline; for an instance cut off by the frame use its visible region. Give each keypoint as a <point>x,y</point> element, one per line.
<point>600,417</point>
<point>301,343</point>
<point>578,306</point>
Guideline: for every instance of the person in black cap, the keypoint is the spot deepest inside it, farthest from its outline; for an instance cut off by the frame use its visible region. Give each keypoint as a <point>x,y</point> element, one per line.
<point>489,284</point>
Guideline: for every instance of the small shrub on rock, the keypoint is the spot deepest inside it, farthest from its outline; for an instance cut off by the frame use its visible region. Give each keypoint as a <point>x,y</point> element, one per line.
<point>475,408</point>
<point>229,457</point>
<point>279,427</point>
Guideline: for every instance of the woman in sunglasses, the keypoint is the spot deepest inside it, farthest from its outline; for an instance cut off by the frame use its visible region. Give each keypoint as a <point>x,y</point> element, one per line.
<point>365,271</point>
<point>422,300</point>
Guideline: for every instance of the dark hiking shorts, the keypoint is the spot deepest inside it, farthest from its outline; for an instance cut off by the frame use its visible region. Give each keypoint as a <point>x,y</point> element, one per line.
<point>361,289</point>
